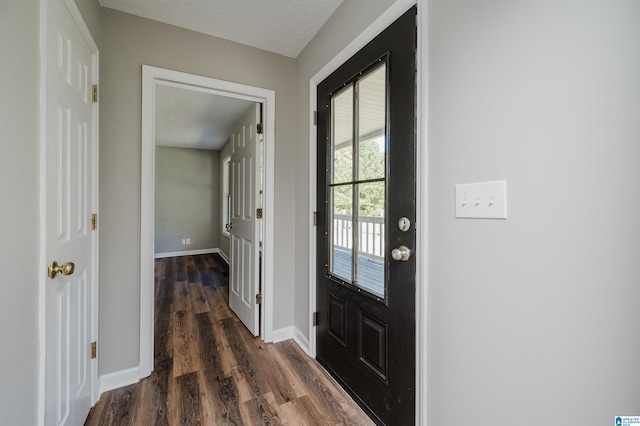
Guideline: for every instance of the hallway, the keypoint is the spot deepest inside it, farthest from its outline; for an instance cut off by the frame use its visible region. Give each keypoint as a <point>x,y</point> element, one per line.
<point>209,370</point>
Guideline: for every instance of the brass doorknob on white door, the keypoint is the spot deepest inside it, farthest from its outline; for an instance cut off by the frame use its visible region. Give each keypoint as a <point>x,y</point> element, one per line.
<point>65,269</point>
<point>401,253</point>
<point>229,226</point>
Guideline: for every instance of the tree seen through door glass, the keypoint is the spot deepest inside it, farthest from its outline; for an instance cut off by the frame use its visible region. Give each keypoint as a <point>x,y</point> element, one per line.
<point>358,182</point>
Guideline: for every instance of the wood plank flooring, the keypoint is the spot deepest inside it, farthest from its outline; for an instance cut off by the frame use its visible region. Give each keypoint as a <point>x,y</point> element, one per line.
<point>209,370</point>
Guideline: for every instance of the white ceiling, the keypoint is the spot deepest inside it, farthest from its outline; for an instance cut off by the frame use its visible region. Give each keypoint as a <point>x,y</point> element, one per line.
<point>279,26</point>
<point>192,119</point>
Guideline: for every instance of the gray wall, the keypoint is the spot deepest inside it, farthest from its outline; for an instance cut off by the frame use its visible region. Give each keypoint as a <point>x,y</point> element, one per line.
<point>536,317</point>
<point>91,12</point>
<point>187,199</point>
<point>224,241</point>
<point>19,206</point>
<point>349,20</point>
<point>128,42</point>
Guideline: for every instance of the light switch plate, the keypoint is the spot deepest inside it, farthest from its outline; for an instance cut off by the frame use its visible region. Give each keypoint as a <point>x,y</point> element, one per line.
<point>484,200</point>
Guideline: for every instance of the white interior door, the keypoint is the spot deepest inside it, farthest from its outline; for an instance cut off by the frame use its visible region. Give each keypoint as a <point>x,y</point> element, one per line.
<point>69,148</point>
<point>244,230</point>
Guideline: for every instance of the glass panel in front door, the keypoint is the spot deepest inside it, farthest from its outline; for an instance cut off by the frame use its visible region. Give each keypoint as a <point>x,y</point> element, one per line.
<point>357,184</point>
<point>342,242</point>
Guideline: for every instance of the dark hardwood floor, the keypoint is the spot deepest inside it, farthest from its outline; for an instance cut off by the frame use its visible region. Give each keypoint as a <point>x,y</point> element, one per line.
<point>209,370</point>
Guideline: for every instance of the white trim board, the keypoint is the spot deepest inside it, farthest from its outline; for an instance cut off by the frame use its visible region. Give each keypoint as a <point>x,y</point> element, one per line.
<point>186,253</point>
<point>394,12</point>
<point>118,379</point>
<point>282,334</point>
<point>294,333</point>
<point>301,339</point>
<point>422,231</point>
<point>224,257</point>
<point>152,77</point>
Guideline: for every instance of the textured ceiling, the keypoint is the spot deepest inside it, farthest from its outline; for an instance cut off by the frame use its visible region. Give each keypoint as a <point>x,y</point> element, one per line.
<point>192,119</point>
<point>279,26</point>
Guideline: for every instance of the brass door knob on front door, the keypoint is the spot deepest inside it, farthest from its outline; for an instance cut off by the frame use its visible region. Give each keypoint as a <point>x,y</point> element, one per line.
<point>65,269</point>
<point>229,226</point>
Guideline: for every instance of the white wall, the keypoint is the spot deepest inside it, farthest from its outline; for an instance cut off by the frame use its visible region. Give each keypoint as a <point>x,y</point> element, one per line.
<point>128,42</point>
<point>535,318</point>
<point>19,207</point>
<point>348,21</point>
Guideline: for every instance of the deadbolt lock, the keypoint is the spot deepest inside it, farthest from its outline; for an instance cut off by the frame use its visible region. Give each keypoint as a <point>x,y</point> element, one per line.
<point>404,224</point>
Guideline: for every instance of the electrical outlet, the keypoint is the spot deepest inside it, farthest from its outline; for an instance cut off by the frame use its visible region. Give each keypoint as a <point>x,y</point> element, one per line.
<point>184,241</point>
<point>188,241</point>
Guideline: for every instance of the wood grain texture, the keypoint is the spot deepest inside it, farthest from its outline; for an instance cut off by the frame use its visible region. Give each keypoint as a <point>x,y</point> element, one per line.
<point>209,370</point>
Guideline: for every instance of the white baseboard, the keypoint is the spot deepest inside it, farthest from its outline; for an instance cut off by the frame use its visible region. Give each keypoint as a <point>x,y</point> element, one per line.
<point>282,334</point>
<point>224,256</point>
<point>294,333</point>
<point>188,253</point>
<point>118,379</point>
<point>301,340</point>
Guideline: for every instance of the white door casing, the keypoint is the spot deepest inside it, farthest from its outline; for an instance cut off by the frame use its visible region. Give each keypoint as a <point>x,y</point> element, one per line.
<point>243,285</point>
<point>70,198</point>
<point>152,77</point>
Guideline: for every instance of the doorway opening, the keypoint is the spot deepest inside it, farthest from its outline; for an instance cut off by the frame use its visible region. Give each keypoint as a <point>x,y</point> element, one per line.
<point>155,81</point>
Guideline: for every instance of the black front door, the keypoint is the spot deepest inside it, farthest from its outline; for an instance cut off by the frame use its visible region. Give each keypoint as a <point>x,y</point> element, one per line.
<point>366,224</point>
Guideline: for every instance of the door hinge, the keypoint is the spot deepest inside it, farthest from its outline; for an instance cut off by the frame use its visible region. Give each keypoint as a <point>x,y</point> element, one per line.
<point>315,218</point>
<point>94,221</point>
<point>94,93</point>
<point>259,299</point>
<point>260,128</point>
<point>259,213</point>
<point>315,118</point>
<point>94,350</point>
<point>315,319</point>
